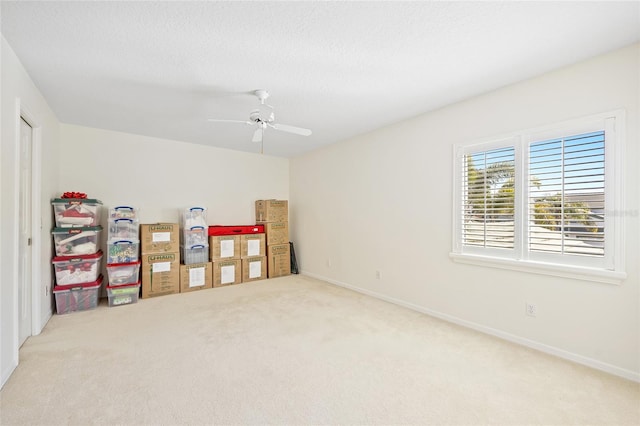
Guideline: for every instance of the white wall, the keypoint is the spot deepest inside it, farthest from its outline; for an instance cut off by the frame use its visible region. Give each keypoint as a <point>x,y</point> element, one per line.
<point>19,93</point>
<point>383,201</point>
<point>161,176</point>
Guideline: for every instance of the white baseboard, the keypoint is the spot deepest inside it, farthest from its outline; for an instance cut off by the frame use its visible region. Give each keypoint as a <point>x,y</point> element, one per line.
<point>7,373</point>
<point>552,350</point>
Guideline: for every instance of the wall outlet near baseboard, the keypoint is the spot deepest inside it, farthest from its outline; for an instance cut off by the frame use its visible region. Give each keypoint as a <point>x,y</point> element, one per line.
<point>531,309</point>
<point>378,275</point>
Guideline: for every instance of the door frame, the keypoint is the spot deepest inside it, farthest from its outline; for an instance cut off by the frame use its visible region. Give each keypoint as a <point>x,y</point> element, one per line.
<point>36,218</point>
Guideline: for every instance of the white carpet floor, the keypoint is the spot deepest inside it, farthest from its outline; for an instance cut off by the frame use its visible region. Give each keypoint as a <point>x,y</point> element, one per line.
<point>294,351</point>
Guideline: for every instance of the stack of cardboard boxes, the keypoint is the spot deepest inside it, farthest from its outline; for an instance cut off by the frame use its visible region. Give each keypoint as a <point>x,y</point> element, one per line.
<point>235,254</point>
<point>274,215</point>
<point>224,252</point>
<point>160,246</point>
<point>253,252</point>
<point>238,254</point>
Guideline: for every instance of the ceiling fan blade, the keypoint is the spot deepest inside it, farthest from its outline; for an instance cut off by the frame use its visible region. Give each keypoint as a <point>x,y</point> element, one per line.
<point>215,120</point>
<point>292,129</point>
<point>257,135</point>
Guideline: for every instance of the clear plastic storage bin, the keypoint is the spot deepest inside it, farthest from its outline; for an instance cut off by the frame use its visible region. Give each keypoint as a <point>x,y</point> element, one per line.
<point>123,295</point>
<point>123,229</point>
<point>196,236</point>
<point>123,212</point>
<point>123,251</point>
<point>79,297</point>
<point>77,269</point>
<point>195,254</point>
<point>76,212</point>
<point>76,241</point>
<point>194,217</point>
<point>123,273</point>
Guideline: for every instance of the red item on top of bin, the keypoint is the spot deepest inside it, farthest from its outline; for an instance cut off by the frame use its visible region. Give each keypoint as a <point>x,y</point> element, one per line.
<point>216,230</point>
<point>72,194</point>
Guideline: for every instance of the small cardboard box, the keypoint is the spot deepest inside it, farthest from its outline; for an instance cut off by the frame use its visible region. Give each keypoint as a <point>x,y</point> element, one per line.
<point>224,247</point>
<point>279,260</point>
<point>160,238</point>
<point>272,211</point>
<point>277,233</point>
<point>252,245</point>
<point>160,274</point>
<point>197,276</point>
<point>254,268</point>
<point>227,272</point>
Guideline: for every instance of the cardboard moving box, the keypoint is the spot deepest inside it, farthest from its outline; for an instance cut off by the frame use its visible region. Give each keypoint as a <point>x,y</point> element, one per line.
<point>224,247</point>
<point>272,211</point>
<point>160,274</point>
<point>227,272</point>
<point>276,233</point>
<point>254,268</point>
<point>160,238</point>
<point>252,245</point>
<point>279,260</point>
<point>197,276</point>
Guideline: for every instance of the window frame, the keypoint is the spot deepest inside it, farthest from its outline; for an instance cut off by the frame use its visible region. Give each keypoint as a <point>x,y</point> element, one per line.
<point>610,267</point>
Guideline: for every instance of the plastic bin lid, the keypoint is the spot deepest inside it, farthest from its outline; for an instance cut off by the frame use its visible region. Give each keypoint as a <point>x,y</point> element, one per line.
<point>126,286</point>
<point>78,258</point>
<point>76,229</point>
<point>76,201</point>
<point>79,286</point>
<point>113,265</point>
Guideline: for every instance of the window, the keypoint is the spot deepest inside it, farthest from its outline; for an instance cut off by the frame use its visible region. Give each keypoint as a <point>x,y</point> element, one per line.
<point>488,182</point>
<point>566,195</point>
<point>543,200</point>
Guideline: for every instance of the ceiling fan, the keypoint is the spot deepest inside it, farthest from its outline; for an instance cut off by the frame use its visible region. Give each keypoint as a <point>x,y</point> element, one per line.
<point>264,117</point>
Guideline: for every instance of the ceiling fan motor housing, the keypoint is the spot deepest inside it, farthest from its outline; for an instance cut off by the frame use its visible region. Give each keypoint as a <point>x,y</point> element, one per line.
<point>262,114</point>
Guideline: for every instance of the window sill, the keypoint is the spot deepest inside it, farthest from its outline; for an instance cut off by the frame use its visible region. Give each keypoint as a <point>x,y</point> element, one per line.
<point>565,271</point>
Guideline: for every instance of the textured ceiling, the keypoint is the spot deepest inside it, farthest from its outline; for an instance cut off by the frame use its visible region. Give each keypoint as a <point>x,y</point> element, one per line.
<point>339,68</point>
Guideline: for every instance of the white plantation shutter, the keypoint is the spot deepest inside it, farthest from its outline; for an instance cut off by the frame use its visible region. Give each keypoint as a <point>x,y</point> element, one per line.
<point>546,200</point>
<point>488,205</point>
<point>567,195</point>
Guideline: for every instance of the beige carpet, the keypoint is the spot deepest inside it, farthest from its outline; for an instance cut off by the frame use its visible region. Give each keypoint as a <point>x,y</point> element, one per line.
<point>294,351</point>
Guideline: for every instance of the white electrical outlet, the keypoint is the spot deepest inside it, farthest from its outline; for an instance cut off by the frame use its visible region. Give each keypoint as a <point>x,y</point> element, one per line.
<point>531,309</point>
<point>378,275</point>
<point>328,263</point>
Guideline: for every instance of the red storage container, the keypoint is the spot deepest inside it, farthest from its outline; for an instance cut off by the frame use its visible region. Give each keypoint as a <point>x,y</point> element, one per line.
<point>216,230</point>
<point>77,269</point>
<point>77,297</point>
<point>123,273</point>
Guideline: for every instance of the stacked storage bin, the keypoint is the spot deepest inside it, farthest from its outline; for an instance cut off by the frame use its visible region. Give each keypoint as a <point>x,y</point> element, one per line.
<point>194,243</point>
<point>78,258</point>
<point>195,270</point>
<point>274,215</point>
<point>123,262</point>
